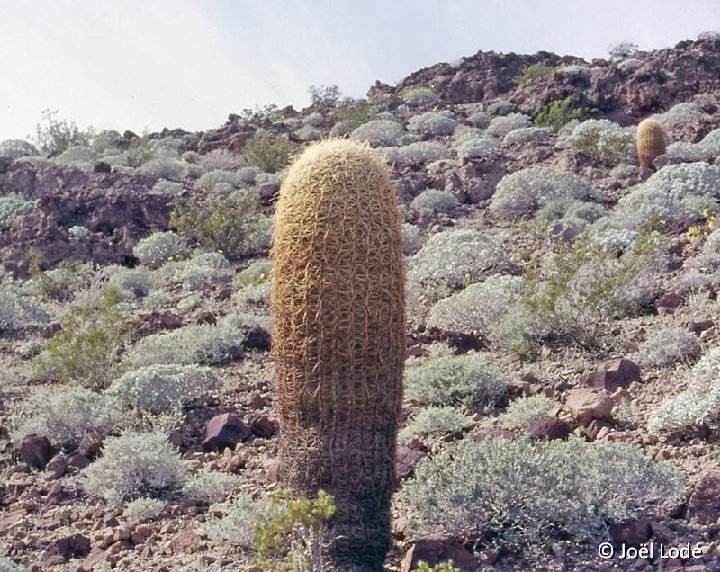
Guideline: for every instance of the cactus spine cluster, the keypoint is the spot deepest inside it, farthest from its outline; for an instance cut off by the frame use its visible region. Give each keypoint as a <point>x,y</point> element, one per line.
<point>337,304</point>
<point>650,142</point>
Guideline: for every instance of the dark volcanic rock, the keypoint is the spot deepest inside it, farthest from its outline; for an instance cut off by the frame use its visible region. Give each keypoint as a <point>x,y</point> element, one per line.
<point>115,208</point>
<point>36,450</point>
<point>226,430</point>
<point>704,502</point>
<point>62,550</point>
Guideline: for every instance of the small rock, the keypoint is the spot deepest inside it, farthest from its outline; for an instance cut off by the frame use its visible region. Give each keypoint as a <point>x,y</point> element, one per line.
<point>615,373</point>
<point>669,302</point>
<point>140,534</point>
<point>597,429</point>
<point>272,470</point>
<point>255,401</point>
<point>36,450</point>
<point>633,531</point>
<point>90,444</point>
<point>405,460</point>
<point>699,326</point>
<point>77,461</point>
<point>586,404</point>
<point>547,427</point>
<point>62,550</point>
<point>56,467</point>
<point>170,321</point>
<point>435,549</point>
<point>226,430</point>
<point>704,503</point>
<point>263,427</point>
<point>257,338</point>
<point>121,533</point>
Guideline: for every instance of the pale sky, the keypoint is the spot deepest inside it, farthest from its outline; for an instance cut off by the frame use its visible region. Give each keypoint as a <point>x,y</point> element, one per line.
<point>139,64</point>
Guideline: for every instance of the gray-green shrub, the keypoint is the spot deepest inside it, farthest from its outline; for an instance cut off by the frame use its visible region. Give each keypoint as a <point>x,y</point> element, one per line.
<point>65,415</point>
<point>443,378</point>
<point>160,388</point>
<point>698,404</point>
<point>528,495</point>
<point>520,194</point>
<point>158,248</point>
<point>668,346</point>
<point>203,344</point>
<point>135,465</point>
<point>522,410</point>
<point>433,421</point>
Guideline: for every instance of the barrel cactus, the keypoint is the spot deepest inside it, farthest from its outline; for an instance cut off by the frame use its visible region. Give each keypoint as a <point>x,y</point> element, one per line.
<point>650,142</point>
<point>337,304</point>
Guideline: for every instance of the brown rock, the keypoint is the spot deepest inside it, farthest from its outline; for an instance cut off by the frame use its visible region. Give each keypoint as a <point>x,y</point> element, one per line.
<point>699,326</point>
<point>62,550</point>
<point>36,450</point>
<point>548,427</point>
<point>56,467</point>
<point>633,531</point>
<point>170,321</point>
<point>405,460</point>
<point>263,427</point>
<point>704,502</point>
<point>90,445</point>
<point>77,461</point>
<point>615,373</point>
<point>437,548</point>
<point>95,557</point>
<point>257,338</point>
<point>226,430</point>
<point>587,404</point>
<point>597,429</point>
<point>272,470</point>
<point>668,302</point>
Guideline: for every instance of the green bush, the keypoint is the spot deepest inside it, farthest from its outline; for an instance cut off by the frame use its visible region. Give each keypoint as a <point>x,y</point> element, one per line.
<point>530,495</point>
<point>290,532</point>
<point>235,526</point>
<point>558,113</point>
<point>54,136</point>
<point>573,292</point>
<point>668,346</point>
<point>232,224</point>
<point>13,205</point>
<point>532,71</point>
<point>85,350</point>
<point>135,465</point>
<point>695,406</point>
<point>7,564</point>
<point>18,312</point>
<point>270,152</point>
<point>443,378</point>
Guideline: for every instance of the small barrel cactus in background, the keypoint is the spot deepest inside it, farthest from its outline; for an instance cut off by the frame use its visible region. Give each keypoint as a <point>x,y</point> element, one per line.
<point>339,341</point>
<point>650,142</point>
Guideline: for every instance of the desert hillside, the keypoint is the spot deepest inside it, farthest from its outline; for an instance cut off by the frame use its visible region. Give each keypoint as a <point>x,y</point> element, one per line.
<point>561,390</point>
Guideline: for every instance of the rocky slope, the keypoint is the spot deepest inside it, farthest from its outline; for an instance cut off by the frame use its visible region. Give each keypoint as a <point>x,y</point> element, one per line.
<point>464,138</point>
